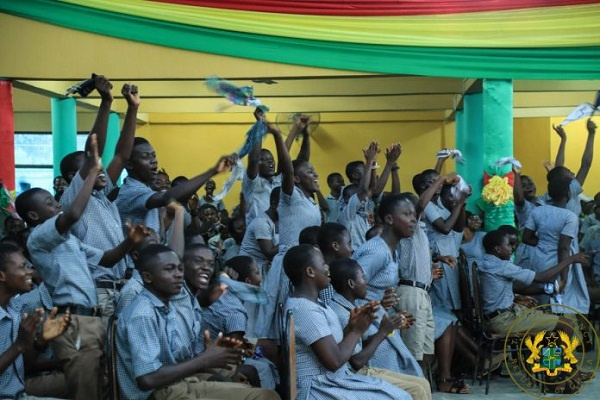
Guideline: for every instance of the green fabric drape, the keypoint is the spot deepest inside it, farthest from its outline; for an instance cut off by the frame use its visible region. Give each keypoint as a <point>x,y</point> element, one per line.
<point>530,63</point>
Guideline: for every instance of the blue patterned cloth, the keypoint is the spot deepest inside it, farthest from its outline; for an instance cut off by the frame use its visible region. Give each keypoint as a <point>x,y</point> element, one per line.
<point>257,193</point>
<point>355,217</point>
<point>391,354</point>
<point>100,225</point>
<point>131,203</point>
<point>379,265</point>
<point>315,321</point>
<point>261,228</point>
<point>63,261</point>
<point>414,262</point>
<point>12,380</point>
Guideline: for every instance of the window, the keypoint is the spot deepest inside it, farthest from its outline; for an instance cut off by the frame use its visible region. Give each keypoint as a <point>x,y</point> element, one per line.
<point>33,159</point>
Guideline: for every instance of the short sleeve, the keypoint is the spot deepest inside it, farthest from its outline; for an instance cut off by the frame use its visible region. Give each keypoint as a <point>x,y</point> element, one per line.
<point>145,349</point>
<point>531,221</point>
<point>513,272</point>
<point>571,225</point>
<point>370,259</point>
<point>311,324</point>
<point>262,229</point>
<point>432,213</point>
<point>354,204</point>
<point>575,188</point>
<point>46,237</point>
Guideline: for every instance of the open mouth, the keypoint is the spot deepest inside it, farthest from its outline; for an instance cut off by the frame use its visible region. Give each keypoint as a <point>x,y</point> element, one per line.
<point>203,279</point>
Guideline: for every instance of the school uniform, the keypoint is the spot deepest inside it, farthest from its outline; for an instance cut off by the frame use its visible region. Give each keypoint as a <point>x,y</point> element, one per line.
<point>63,262</point>
<point>587,223</point>
<point>379,265</point>
<point>501,314</point>
<point>550,223</point>
<point>314,321</point>
<point>445,292</point>
<point>148,324</point>
<point>131,203</point>
<point>414,272</point>
<point>100,225</point>
<point>228,315</point>
<point>257,194</point>
<point>355,218</point>
<point>296,212</point>
<point>261,228</point>
<point>332,215</point>
<point>523,252</point>
<point>573,204</point>
<point>219,205</point>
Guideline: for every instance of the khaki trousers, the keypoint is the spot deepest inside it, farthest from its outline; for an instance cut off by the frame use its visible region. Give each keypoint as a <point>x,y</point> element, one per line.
<point>416,386</point>
<point>193,388</point>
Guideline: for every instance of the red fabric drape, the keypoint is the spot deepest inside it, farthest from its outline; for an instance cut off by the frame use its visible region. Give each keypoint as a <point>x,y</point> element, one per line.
<point>375,7</point>
<point>7,136</point>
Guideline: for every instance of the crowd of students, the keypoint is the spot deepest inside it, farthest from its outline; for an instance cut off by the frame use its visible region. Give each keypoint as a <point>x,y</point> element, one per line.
<point>371,277</point>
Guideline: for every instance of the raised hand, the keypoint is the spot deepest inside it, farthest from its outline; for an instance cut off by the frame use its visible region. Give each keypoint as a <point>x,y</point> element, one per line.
<point>92,155</point>
<point>362,317</point>
<point>131,95</point>
<point>585,258</point>
<point>389,299</point>
<point>560,131</point>
<point>193,203</point>
<point>136,233</point>
<point>28,329</point>
<point>103,86</point>
<point>225,163</point>
<point>392,153</point>
<point>591,126</point>
<point>371,152</point>
<point>55,326</point>
<point>451,178</point>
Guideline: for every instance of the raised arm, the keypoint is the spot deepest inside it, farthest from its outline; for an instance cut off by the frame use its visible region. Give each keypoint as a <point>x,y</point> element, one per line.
<point>185,189</point>
<point>396,189</point>
<point>560,155</point>
<point>519,196</point>
<point>392,153</point>
<point>71,215</point>
<point>439,164</point>
<point>304,153</point>
<point>370,154</point>
<point>284,161</point>
<point>588,153</point>
<point>447,225</point>
<point>103,85</point>
<point>177,240</point>
<point>254,155</point>
<point>135,236</point>
<point>125,142</point>
<point>428,194</point>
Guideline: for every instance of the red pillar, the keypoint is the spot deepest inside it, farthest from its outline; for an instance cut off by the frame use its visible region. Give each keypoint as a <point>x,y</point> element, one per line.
<point>7,136</point>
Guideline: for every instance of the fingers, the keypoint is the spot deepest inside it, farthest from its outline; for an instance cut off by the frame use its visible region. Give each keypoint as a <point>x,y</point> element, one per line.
<point>53,313</point>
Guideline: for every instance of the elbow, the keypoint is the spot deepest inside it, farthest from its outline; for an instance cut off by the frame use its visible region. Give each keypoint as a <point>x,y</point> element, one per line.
<point>332,365</point>
<point>145,383</point>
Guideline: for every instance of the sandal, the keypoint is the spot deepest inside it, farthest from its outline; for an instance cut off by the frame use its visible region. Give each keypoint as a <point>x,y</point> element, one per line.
<point>458,386</point>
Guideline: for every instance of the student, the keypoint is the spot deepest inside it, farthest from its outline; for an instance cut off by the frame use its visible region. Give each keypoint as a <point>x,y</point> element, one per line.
<point>297,210</point>
<point>237,230</point>
<point>261,175</point>
<point>334,242</point>
<point>167,366</point>
<point>497,275</point>
<point>208,196</point>
<point>19,333</point>
<point>309,235</point>
<point>335,181</point>
<point>232,317</point>
<point>472,239</point>
<point>378,257</point>
<point>100,224</point>
<point>59,184</point>
<point>552,230</point>
<point>525,201</point>
<point>382,354</point>
<point>261,240</point>
<point>560,171</point>
<point>161,182</point>
<point>323,346</point>
<point>137,202</point>
<point>62,261</point>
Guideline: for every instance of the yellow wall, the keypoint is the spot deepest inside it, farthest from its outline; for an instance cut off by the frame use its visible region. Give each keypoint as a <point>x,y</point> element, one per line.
<point>531,141</point>
<point>191,149</point>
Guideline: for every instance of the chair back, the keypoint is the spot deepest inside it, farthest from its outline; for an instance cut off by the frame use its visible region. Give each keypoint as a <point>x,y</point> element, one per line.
<point>477,307</point>
<point>466,297</point>
<point>288,358</point>
<point>111,358</point>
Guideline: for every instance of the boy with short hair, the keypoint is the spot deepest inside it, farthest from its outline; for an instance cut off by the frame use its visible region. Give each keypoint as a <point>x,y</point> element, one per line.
<point>335,181</point>
<point>167,366</point>
<point>62,261</point>
<point>19,332</point>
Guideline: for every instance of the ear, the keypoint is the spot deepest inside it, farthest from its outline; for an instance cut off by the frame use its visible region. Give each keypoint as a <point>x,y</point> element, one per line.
<point>71,175</point>
<point>32,216</point>
<point>247,280</point>
<point>310,272</point>
<point>128,164</point>
<point>296,179</point>
<point>351,283</point>
<point>146,277</point>
<point>388,219</point>
<point>335,246</point>
<point>2,276</point>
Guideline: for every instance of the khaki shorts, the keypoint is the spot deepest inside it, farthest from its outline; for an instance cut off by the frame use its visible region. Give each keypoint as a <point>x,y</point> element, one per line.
<point>521,320</point>
<point>418,338</point>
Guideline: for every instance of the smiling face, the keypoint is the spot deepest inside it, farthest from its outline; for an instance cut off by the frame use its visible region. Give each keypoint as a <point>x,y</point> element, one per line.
<point>343,247</point>
<point>143,163</point>
<point>474,223</point>
<point>266,164</point>
<point>162,182</point>
<point>210,187</point>
<point>529,188</point>
<point>199,267</point>
<point>16,276</point>
<point>44,207</point>
<point>320,270</point>
<point>306,178</point>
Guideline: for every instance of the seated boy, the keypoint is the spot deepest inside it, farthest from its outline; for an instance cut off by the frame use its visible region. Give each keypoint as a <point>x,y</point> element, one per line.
<point>382,353</point>
<point>153,359</point>
<point>19,332</point>
<point>497,275</point>
<point>62,261</point>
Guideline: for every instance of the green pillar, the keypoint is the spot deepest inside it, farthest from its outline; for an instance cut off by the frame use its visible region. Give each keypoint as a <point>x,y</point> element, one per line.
<point>472,145</point>
<point>498,140</point>
<point>64,129</point>
<point>112,136</point>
